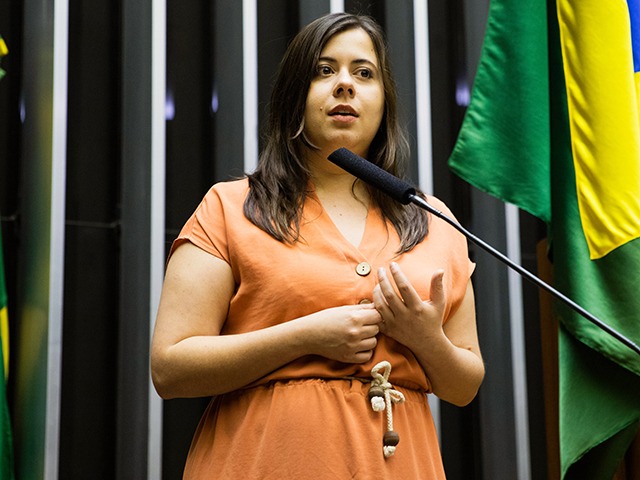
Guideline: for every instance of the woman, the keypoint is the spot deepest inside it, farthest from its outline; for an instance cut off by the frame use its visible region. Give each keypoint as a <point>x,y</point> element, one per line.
<point>285,289</point>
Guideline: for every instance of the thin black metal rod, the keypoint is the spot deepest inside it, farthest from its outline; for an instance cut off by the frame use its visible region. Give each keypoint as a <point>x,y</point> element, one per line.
<point>422,203</point>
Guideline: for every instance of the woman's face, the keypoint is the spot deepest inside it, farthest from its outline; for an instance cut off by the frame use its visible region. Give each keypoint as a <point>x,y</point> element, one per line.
<point>345,103</point>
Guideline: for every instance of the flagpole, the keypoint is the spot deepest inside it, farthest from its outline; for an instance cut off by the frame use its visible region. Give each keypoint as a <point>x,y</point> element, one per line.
<point>420,202</point>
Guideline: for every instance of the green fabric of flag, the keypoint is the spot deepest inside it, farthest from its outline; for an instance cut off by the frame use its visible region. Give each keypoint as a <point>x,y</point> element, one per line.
<point>6,439</point>
<point>515,143</point>
<point>510,91</point>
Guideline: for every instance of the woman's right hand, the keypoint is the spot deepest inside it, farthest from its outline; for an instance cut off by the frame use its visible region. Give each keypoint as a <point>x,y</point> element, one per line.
<point>345,334</point>
<point>189,357</point>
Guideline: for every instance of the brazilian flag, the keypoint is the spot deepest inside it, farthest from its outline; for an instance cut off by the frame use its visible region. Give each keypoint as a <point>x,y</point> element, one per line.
<point>554,127</point>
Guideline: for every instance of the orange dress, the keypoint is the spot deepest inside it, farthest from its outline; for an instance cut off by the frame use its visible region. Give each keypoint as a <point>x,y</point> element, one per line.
<point>312,419</point>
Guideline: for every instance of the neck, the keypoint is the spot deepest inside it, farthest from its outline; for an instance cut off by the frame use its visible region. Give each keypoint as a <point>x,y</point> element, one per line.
<point>329,179</point>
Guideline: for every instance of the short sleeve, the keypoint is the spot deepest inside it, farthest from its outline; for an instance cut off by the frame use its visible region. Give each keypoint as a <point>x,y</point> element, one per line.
<point>208,226</point>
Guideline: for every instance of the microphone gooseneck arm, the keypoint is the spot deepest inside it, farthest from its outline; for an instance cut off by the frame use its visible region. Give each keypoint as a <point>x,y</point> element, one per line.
<point>422,203</point>
<point>404,193</point>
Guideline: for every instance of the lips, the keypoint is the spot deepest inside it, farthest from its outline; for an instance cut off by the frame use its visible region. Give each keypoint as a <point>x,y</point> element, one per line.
<point>343,110</point>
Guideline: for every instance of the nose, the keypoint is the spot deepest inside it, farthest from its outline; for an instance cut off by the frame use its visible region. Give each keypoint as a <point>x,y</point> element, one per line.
<point>344,85</point>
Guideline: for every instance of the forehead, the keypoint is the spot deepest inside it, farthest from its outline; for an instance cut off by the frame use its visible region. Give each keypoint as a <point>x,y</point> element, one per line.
<point>354,42</point>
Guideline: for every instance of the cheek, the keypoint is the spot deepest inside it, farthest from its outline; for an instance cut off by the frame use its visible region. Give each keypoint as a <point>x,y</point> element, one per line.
<point>381,105</point>
<point>312,94</point>
<point>379,114</point>
<point>376,103</point>
<point>309,116</point>
<point>313,111</point>
<point>308,106</point>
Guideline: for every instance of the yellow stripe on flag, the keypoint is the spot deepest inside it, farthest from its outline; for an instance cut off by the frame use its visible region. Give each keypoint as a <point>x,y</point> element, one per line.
<point>603,96</point>
<point>4,335</point>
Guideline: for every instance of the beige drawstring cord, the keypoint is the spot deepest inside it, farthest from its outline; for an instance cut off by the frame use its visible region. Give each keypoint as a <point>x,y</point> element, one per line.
<point>382,395</point>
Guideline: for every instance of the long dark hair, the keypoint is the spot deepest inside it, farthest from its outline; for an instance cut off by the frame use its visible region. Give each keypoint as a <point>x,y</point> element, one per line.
<point>278,187</point>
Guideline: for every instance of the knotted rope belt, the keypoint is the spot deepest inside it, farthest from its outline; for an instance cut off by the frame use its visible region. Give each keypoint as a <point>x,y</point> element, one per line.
<point>382,395</point>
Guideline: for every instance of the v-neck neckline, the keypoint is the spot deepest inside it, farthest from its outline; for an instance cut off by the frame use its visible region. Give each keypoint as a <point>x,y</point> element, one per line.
<point>364,247</point>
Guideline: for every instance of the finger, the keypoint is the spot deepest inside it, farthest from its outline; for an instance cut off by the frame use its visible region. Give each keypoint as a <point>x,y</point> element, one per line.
<point>371,316</point>
<point>381,303</point>
<point>407,292</point>
<point>362,357</point>
<point>368,344</point>
<point>363,314</point>
<point>364,306</point>
<point>370,331</point>
<point>391,298</point>
<point>437,297</point>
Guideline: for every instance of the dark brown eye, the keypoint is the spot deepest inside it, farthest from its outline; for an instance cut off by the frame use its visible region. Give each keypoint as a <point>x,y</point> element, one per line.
<point>366,73</point>
<point>324,70</point>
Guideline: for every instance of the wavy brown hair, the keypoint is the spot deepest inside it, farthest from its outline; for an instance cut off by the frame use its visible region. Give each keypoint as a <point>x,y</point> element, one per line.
<point>279,185</point>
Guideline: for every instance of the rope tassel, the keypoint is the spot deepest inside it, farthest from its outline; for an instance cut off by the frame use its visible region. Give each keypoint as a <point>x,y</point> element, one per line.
<point>382,395</point>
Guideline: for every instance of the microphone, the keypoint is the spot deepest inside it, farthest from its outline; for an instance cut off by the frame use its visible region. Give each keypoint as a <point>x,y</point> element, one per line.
<point>404,193</point>
<point>375,176</point>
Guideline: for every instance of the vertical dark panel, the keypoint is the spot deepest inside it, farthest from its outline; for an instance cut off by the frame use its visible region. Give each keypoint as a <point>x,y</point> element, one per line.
<point>446,50</point>
<point>496,401</point>
<point>532,230</point>
<point>134,313</point>
<point>228,70</point>
<point>399,30</point>
<point>189,127</point>
<point>278,23</point>
<point>312,9</point>
<point>90,324</point>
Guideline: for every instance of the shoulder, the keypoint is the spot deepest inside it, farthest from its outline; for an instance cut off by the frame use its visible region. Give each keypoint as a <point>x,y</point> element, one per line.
<point>439,205</point>
<point>226,196</point>
<point>216,217</point>
<point>230,190</point>
<point>443,236</point>
<point>440,225</point>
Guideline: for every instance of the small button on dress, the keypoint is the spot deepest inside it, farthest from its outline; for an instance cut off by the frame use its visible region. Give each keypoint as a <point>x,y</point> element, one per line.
<point>363,269</point>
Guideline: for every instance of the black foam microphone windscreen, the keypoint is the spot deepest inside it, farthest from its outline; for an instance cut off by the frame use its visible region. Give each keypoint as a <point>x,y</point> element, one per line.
<point>375,176</point>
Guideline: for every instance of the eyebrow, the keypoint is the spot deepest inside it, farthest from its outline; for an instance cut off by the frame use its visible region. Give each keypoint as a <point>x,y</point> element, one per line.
<point>357,61</point>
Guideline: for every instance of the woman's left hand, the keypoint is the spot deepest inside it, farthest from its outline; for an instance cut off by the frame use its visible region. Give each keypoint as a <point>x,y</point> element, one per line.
<point>405,316</point>
<point>449,353</point>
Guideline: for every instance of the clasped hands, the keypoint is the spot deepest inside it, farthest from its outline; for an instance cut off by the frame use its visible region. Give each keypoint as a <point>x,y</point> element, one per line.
<point>349,333</point>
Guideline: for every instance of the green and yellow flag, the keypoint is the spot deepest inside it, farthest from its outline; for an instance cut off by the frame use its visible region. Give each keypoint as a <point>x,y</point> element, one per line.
<point>3,51</point>
<point>554,128</point>
<point>6,438</point>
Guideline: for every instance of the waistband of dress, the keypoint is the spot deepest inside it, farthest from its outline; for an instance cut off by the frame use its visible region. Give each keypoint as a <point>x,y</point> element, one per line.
<point>364,381</point>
